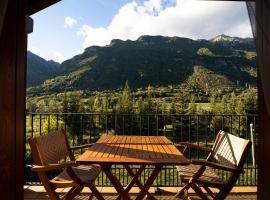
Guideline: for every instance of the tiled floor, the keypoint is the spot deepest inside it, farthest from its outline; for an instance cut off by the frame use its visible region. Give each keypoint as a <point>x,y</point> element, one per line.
<point>38,193</point>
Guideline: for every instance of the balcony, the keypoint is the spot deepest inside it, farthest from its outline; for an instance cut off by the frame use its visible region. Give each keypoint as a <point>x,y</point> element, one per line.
<point>38,193</point>
<point>85,128</point>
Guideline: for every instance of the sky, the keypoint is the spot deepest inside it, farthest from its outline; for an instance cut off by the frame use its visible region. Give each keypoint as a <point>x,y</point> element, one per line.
<point>68,27</point>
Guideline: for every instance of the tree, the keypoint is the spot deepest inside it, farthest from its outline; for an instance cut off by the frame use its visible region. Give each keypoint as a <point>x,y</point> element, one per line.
<point>250,101</point>
<point>53,105</point>
<point>233,102</point>
<point>124,107</point>
<point>31,106</point>
<point>173,107</point>
<point>149,106</point>
<point>192,108</point>
<point>181,106</point>
<point>98,104</point>
<point>125,103</point>
<point>42,106</point>
<point>205,52</point>
<point>71,105</point>
<point>163,107</point>
<point>65,103</point>
<point>213,101</point>
<point>139,105</point>
<point>223,107</point>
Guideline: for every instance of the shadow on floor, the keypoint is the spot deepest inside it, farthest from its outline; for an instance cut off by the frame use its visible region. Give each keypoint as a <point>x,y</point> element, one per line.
<point>41,195</point>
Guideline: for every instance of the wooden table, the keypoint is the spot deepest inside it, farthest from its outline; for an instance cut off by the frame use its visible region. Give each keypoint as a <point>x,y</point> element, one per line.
<point>133,150</point>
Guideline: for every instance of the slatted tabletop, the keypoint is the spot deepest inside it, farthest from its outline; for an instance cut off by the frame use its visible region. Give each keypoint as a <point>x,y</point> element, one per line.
<point>133,150</point>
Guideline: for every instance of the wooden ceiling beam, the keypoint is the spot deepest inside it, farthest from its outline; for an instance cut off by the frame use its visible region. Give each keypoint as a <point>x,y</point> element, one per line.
<point>3,7</point>
<point>35,6</point>
<point>233,0</point>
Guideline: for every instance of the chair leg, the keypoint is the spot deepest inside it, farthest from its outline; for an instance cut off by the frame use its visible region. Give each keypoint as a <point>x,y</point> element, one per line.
<point>48,187</point>
<point>95,192</point>
<point>91,196</point>
<point>52,194</point>
<point>70,191</point>
<point>182,192</point>
<point>209,191</point>
<point>198,191</point>
<point>74,192</point>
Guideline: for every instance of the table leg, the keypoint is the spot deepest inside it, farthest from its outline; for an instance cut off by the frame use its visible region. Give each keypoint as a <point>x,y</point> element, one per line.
<point>134,177</point>
<point>136,180</point>
<point>149,182</point>
<point>116,183</point>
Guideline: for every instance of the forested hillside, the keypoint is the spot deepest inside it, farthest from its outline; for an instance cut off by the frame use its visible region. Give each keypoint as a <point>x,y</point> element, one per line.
<point>39,69</point>
<point>156,61</point>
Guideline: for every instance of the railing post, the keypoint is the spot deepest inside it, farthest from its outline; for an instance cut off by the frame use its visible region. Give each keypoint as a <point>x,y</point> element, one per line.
<point>186,124</point>
<point>32,125</point>
<point>252,147</point>
<point>106,123</point>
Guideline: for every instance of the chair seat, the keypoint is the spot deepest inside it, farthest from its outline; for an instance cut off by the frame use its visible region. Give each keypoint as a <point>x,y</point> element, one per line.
<point>209,175</point>
<point>86,173</point>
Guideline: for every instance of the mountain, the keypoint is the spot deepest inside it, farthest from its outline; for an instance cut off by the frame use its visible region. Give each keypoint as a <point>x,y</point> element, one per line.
<point>157,61</point>
<point>235,42</point>
<point>39,69</point>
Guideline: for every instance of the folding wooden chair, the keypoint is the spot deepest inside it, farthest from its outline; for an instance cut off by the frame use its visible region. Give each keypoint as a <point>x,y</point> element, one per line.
<point>228,153</point>
<point>49,153</point>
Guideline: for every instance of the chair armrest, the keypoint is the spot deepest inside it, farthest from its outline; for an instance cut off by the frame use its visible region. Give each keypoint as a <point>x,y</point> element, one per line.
<point>187,144</point>
<point>217,166</point>
<point>82,146</point>
<point>38,168</point>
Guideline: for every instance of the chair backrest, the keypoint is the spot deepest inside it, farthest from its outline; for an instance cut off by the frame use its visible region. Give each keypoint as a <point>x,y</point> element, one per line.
<point>230,150</point>
<point>50,148</point>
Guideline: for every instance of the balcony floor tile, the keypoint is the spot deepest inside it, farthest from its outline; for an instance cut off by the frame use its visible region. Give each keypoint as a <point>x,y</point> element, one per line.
<point>38,193</point>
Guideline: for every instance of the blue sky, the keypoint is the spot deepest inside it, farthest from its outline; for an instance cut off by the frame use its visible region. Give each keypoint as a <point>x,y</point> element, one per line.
<point>68,27</point>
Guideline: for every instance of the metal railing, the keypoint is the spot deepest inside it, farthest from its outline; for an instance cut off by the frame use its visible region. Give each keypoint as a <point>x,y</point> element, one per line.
<point>85,128</point>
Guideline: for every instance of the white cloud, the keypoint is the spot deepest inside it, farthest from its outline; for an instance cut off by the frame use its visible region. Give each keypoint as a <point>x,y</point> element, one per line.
<point>37,51</point>
<point>184,18</point>
<point>53,55</point>
<point>58,57</point>
<point>69,22</point>
<point>80,51</point>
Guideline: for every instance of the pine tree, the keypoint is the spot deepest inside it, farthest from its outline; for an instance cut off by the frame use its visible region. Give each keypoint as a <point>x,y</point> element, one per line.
<point>173,107</point>
<point>163,107</point>
<point>213,102</point>
<point>125,103</point>
<point>139,104</point>
<point>233,103</point>
<point>223,108</point>
<point>182,102</point>
<point>71,104</point>
<point>192,108</point>
<point>97,107</point>
<point>105,104</point>
<point>65,103</point>
<point>149,106</point>
<point>53,105</point>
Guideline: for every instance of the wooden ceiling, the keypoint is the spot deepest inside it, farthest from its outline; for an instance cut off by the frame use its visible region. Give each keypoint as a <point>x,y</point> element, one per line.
<point>37,5</point>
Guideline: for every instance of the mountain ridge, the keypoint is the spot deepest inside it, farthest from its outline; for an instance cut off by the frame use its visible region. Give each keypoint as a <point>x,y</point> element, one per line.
<point>39,69</point>
<point>154,60</point>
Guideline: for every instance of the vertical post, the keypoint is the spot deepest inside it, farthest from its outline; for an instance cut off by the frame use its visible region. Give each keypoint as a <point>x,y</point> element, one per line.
<point>106,123</point>
<point>32,124</point>
<point>252,140</point>
<point>13,40</point>
<point>263,63</point>
<point>3,8</point>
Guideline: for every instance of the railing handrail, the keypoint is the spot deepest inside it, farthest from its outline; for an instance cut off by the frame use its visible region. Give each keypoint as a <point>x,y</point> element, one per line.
<point>143,114</point>
<point>198,128</point>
